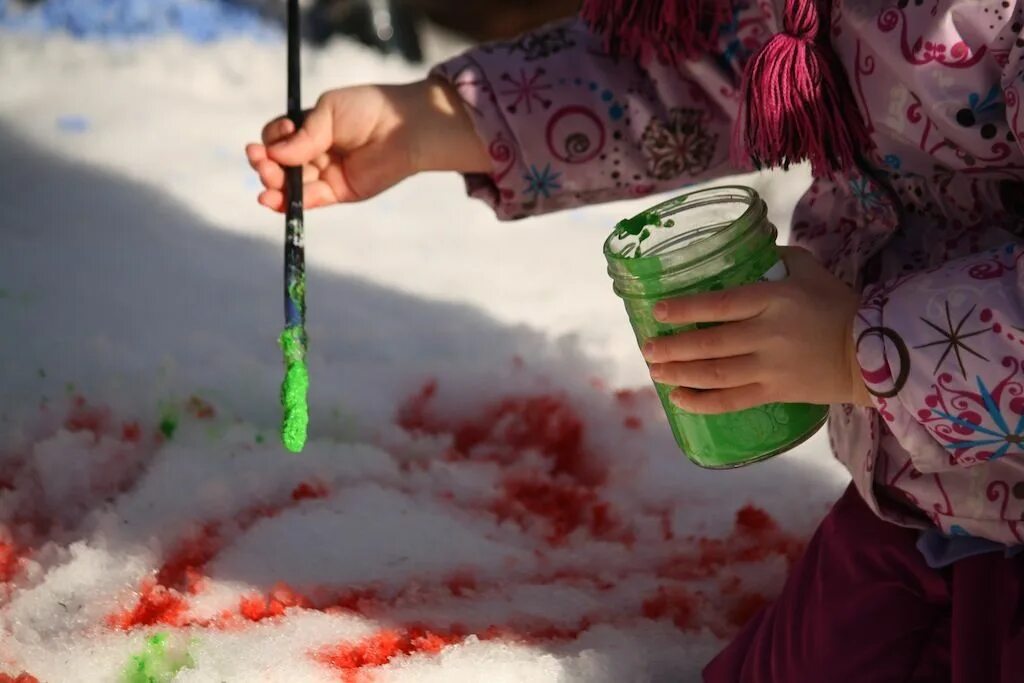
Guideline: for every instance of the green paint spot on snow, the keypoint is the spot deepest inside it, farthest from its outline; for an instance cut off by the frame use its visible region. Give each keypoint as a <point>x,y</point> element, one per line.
<point>159,662</point>
<point>42,373</point>
<point>168,424</point>
<point>69,387</point>
<point>259,438</point>
<point>295,412</point>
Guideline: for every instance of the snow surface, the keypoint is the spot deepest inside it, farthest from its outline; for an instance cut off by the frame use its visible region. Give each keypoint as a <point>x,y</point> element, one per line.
<point>489,492</point>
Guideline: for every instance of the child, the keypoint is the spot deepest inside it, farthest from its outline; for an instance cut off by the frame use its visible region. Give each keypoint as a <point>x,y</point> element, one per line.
<point>906,312</point>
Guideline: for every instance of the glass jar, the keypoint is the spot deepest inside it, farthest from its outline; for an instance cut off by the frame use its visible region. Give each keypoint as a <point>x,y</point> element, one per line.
<point>705,241</point>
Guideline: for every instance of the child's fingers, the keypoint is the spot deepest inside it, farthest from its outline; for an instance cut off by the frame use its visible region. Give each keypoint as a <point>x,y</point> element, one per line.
<point>719,401</point>
<point>307,143</point>
<point>722,306</point>
<point>311,172</point>
<point>319,193</point>
<point>255,153</point>
<point>277,129</point>
<point>272,199</point>
<point>315,194</point>
<point>717,373</point>
<point>721,341</point>
<point>271,174</point>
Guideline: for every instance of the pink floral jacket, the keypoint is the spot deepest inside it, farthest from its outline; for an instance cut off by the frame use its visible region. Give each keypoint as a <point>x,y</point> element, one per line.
<point>932,235</point>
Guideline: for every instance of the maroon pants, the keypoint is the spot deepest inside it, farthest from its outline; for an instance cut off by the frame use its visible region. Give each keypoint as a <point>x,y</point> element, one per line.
<point>862,606</point>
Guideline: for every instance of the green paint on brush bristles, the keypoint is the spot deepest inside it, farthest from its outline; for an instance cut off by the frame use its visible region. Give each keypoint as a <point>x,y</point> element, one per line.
<point>157,663</point>
<point>294,410</point>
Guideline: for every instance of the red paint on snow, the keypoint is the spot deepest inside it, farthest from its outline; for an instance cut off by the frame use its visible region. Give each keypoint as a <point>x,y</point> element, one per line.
<point>259,607</point>
<point>556,493</point>
<point>309,491</point>
<point>20,678</point>
<point>412,414</point>
<point>633,422</point>
<point>131,432</point>
<point>10,560</point>
<point>754,520</point>
<point>356,661</point>
<point>113,470</point>
<point>156,605</point>
<point>730,585</point>
<point>626,397</point>
<point>501,431</point>
<point>183,569</point>
<point>557,501</point>
<point>631,397</point>
<point>84,417</point>
<point>667,533</point>
<point>462,583</point>
<point>674,603</point>
<point>200,408</point>
<point>352,660</point>
<point>576,576</point>
<point>755,537</point>
<point>563,506</point>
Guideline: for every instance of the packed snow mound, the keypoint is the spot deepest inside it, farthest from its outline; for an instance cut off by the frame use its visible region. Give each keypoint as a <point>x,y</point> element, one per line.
<point>531,529</point>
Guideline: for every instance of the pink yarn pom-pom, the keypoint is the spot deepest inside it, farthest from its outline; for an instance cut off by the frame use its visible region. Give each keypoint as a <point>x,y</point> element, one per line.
<point>667,29</point>
<point>796,103</point>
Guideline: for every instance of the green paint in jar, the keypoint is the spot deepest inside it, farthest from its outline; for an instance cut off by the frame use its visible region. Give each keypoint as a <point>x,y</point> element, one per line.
<point>705,241</point>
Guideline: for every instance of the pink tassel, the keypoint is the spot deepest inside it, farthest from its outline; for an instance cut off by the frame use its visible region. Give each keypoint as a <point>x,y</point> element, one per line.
<point>667,29</point>
<point>796,103</point>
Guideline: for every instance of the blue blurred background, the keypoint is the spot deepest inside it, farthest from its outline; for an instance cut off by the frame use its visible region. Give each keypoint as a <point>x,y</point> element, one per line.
<point>198,20</point>
<point>389,25</point>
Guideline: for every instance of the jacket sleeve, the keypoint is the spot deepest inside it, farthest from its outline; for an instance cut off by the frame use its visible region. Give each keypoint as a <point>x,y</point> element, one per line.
<point>942,352</point>
<point>566,124</point>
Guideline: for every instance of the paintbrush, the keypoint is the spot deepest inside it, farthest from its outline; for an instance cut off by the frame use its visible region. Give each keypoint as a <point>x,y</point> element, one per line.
<point>295,412</point>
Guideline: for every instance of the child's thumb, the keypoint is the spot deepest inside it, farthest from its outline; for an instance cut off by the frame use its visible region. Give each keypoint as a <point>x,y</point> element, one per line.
<point>308,142</point>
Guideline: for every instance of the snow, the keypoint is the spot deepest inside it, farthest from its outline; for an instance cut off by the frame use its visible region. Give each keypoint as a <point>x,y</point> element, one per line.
<point>489,489</point>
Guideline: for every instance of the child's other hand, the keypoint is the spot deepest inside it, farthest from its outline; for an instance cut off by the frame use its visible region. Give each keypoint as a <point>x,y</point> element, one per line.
<point>788,341</point>
<point>357,142</point>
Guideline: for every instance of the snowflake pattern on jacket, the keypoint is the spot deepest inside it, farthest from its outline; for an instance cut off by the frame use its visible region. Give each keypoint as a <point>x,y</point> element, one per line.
<point>932,232</point>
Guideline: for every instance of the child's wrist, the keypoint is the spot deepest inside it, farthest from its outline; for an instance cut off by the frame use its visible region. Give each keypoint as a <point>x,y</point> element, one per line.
<point>860,396</point>
<point>442,135</point>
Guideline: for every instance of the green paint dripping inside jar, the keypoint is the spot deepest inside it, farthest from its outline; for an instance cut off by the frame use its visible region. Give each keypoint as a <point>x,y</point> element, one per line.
<point>294,388</point>
<point>706,241</point>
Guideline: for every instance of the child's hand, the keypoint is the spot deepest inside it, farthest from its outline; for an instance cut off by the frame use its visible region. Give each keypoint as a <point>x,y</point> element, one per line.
<point>788,342</point>
<point>357,142</point>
